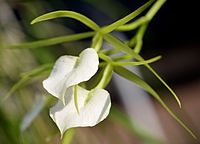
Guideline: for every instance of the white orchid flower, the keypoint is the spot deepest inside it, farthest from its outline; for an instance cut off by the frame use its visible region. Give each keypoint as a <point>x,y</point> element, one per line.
<point>71,70</point>
<point>68,72</point>
<point>94,106</point>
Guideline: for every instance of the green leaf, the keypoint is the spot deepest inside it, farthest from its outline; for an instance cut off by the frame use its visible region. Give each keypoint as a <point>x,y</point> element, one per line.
<point>70,14</point>
<point>26,77</point>
<point>143,21</point>
<point>53,41</point>
<point>164,83</point>
<point>123,47</point>
<point>137,63</point>
<point>125,73</point>
<point>120,45</point>
<point>126,19</point>
<point>133,25</point>
<point>150,14</point>
<point>154,9</point>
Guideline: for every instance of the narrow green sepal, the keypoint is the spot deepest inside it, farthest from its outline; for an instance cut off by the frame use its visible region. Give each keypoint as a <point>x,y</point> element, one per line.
<point>127,74</point>
<point>70,14</point>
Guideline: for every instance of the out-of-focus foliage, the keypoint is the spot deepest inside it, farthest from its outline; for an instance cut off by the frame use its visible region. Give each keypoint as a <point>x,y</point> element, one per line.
<point>36,127</point>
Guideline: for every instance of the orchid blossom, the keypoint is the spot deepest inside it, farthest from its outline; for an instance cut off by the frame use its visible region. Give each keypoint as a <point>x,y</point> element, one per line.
<point>68,72</point>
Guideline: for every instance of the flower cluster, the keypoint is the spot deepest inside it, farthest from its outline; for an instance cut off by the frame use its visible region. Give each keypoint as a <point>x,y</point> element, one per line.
<point>76,107</point>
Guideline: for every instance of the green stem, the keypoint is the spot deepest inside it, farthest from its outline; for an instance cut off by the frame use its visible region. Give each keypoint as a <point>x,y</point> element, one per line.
<point>126,19</point>
<point>123,57</point>
<point>97,41</point>
<point>109,51</point>
<point>70,14</point>
<point>54,41</point>
<point>133,25</point>
<point>123,47</point>
<point>151,13</point>
<point>139,38</point>
<point>137,63</point>
<point>107,75</point>
<point>105,57</point>
<point>176,118</point>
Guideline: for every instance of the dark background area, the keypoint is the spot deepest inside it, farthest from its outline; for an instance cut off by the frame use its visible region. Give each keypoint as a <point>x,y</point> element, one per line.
<point>173,32</point>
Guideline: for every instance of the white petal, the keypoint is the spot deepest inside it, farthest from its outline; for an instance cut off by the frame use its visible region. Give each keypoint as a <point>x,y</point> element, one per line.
<point>55,83</point>
<point>70,70</point>
<point>90,113</point>
<point>86,67</point>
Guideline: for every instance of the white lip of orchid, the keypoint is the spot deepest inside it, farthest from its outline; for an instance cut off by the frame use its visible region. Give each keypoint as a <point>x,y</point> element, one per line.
<point>86,108</point>
<point>71,70</point>
<point>90,112</point>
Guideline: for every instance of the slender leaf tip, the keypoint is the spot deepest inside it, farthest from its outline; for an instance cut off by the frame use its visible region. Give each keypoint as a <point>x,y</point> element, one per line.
<point>34,21</point>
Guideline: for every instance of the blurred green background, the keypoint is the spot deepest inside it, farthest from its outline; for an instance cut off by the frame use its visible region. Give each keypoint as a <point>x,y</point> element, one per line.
<point>173,33</point>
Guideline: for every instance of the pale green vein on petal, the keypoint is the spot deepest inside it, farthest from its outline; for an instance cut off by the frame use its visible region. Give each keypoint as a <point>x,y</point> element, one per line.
<point>76,98</point>
<point>70,14</point>
<point>89,96</point>
<point>126,19</point>
<point>137,80</point>
<point>53,41</point>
